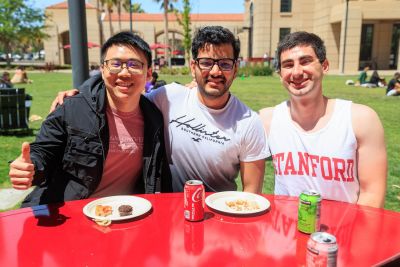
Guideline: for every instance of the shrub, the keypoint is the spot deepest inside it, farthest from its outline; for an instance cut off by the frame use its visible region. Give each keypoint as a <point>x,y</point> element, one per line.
<point>175,71</point>
<point>255,71</point>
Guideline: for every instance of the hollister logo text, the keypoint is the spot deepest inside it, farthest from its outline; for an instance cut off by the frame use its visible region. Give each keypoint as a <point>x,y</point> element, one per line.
<point>198,130</point>
<point>301,163</point>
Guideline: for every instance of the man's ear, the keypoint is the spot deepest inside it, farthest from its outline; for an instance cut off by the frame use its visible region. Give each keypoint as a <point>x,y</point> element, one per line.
<point>149,74</point>
<point>325,66</point>
<point>236,69</point>
<point>102,70</point>
<point>193,68</point>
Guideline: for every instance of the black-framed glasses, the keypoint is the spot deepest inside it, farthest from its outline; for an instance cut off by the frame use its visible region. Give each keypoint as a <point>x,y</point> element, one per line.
<point>133,66</point>
<point>224,64</point>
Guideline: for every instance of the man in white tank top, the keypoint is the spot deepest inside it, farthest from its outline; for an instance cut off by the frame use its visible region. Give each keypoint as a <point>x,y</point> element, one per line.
<point>331,145</point>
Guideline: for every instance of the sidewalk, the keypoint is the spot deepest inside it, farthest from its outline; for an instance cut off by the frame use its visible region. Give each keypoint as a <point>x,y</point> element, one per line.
<point>10,197</point>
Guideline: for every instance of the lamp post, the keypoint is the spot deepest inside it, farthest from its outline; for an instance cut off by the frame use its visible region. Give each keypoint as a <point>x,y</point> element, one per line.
<point>345,35</point>
<point>130,14</point>
<point>78,41</point>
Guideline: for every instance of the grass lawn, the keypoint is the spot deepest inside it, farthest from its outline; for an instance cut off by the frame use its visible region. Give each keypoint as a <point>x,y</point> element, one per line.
<point>256,92</point>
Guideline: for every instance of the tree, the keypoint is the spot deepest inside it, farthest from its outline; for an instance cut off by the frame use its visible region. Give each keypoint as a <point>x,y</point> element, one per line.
<point>109,5</point>
<point>99,7</point>
<point>136,8</point>
<point>167,7</point>
<point>20,24</point>
<point>184,20</point>
<point>119,8</point>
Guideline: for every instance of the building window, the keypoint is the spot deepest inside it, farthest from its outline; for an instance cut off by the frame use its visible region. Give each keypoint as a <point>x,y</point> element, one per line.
<point>286,5</point>
<point>367,34</point>
<point>394,47</point>
<point>283,32</point>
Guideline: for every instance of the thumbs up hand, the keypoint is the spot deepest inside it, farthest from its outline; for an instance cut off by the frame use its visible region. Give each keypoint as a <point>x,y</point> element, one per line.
<point>22,170</point>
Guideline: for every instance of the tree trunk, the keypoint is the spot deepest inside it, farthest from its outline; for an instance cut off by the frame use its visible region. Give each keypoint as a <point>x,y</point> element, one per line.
<point>99,13</point>
<point>110,22</point>
<point>119,15</point>
<point>166,50</point>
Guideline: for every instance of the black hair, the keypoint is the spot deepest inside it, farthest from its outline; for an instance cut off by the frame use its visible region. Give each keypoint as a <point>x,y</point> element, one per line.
<point>127,39</point>
<point>301,38</point>
<point>215,35</point>
<point>154,75</point>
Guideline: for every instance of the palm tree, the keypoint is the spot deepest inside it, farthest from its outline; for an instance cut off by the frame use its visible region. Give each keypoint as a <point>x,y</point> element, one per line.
<point>109,5</point>
<point>167,6</point>
<point>136,8</point>
<point>119,3</point>
<point>99,6</point>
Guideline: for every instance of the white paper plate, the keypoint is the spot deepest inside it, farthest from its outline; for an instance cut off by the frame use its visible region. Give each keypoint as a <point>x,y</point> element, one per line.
<point>218,201</point>
<point>140,206</point>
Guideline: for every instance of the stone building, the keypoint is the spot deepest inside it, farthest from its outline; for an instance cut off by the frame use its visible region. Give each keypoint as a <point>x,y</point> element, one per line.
<point>356,32</point>
<point>149,26</point>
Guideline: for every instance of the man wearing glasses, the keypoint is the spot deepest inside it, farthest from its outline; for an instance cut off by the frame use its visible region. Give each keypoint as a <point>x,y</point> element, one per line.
<point>210,134</point>
<point>108,140</point>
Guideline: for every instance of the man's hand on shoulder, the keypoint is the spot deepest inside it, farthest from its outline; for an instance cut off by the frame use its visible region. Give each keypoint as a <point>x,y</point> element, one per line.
<point>59,100</point>
<point>192,84</point>
<point>266,117</point>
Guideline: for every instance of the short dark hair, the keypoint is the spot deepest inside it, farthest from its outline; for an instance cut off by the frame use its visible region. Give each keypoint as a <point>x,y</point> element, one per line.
<point>127,39</point>
<point>299,39</point>
<point>215,35</point>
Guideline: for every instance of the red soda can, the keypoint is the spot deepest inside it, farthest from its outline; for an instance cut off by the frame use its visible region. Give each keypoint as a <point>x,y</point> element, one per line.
<point>194,195</point>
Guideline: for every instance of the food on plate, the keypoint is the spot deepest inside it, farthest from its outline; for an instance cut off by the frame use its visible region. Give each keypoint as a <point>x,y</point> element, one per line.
<point>103,210</point>
<point>242,205</point>
<point>125,210</point>
<point>104,222</point>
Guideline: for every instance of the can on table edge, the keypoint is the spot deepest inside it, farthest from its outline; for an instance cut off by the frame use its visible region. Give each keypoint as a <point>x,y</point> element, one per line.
<point>194,196</point>
<point>322,250</point>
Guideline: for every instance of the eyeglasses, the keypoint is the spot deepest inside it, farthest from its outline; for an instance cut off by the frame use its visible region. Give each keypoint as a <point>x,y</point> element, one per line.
<point>133,66</point>
<point>224,64</point>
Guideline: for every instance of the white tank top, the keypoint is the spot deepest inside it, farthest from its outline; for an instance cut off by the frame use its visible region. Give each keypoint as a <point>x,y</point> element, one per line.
<point>324,160</point>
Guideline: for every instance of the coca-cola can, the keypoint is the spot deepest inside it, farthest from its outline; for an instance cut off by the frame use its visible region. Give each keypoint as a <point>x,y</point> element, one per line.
<point>194,195</point>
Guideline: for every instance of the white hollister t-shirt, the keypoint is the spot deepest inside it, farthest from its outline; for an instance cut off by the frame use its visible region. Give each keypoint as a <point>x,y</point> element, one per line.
<point>208,144</point>
<point>324,160</point>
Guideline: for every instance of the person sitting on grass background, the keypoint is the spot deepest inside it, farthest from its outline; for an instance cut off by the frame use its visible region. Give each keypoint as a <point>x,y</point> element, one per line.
<point>5,81</point>
<point>20,76</point>
<point>393,88</point>
<point>377,80</point>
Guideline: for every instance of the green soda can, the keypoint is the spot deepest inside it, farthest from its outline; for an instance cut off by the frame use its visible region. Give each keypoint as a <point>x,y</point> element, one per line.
<point>309,212</point>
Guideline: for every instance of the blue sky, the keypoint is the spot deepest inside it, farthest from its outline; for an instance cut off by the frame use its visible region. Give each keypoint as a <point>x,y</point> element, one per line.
<point>198,6</point>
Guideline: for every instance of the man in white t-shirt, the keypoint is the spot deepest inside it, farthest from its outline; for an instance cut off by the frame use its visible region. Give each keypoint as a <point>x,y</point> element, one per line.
<point>210,135</point>
<point>330,145</point>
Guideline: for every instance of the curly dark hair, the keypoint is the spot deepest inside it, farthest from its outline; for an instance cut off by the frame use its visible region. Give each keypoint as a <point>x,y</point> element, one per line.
<point>298,39</point>
<point>215,35</point>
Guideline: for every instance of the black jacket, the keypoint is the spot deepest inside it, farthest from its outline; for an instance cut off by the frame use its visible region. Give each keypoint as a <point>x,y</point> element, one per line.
<point>71,147</point>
